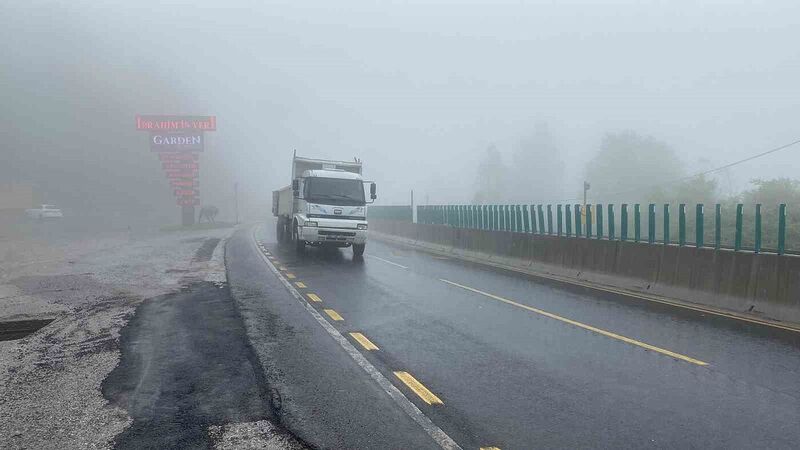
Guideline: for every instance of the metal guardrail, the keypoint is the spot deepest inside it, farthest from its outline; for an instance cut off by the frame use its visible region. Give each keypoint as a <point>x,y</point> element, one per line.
<point>592,222</point>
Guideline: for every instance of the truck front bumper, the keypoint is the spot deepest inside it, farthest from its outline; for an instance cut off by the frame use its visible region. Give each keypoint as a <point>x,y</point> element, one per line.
<point>336,236</point>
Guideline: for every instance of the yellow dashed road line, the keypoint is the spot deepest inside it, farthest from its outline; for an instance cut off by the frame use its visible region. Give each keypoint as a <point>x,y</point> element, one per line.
<point>582,325</point>
<point>333,314</point>
<point>314,297</point>
<point>426,395</point>
<point>290,276</point>
<point>281,268</point>
<point>300,284</point>
<point>366,343</point>
<point>490,448</point>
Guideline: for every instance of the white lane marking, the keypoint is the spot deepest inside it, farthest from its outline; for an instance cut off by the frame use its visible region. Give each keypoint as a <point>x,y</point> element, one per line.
<point>386,261</point>
<point>441,438</point>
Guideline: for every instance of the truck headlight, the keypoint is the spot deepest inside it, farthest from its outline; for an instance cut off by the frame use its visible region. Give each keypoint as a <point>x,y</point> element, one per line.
<point>310,223</point>
<point>362,226</point>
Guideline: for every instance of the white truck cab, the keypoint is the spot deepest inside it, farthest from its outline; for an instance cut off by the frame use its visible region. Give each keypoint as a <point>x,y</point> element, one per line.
<point>325,205</point>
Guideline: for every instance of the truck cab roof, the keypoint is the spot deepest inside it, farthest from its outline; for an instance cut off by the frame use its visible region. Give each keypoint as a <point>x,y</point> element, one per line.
<point>340,174</point>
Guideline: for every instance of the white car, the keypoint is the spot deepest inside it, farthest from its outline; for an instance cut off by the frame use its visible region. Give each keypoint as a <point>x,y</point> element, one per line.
<point>45,212</point>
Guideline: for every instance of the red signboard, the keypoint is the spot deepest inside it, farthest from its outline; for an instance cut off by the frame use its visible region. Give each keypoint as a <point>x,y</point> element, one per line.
<point>187,183</point>
<point>182,172</point>
<point>188,201</point>
<point>186,193</point>
<point>174,156</point>
<point>179,165</point>
<point>176,123</point>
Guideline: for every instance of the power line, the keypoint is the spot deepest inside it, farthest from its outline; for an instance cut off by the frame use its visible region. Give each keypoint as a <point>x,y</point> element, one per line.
<point>689,177</point>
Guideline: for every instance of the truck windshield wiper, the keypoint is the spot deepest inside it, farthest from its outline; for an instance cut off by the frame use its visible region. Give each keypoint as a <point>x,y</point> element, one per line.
<point>345,197</point>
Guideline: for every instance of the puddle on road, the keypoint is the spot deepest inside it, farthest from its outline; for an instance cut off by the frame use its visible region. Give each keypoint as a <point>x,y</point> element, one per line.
<point>18,329</point>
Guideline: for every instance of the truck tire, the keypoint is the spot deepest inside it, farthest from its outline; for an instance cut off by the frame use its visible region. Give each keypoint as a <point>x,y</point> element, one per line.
<point>299,244</point>
<point>358,249</point>
<point>279,231</point>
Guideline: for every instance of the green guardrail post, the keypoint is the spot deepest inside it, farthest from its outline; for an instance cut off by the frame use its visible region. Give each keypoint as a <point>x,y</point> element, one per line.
<point>599,212</point>
<point>637,223</point>
<point>682,224</point>
<point>558,219</point>
<point>611,231</point>
<point>666,223</point>
<point>758,228</point>
<point>698,227</point>
<point>549,219</point>
<point>504,217</point>
<point>588,221</point>
<point>542,228</point>
<point>520,222</point>
<point>578,221</point>
<point>515,217</point>
<point>651,223</point>
<point>509,218</point>
<point>500,222</point>
<point>535,224</point>
<point>526,218</point>
<point>568,220</point>
<point>623,222</point>
<point>737,240</point>
<point>782,228</point>
<point>476,216</point>
<point>717,226</point>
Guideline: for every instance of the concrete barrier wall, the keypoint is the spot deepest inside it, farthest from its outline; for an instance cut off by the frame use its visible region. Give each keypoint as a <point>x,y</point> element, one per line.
<point>762,285</point>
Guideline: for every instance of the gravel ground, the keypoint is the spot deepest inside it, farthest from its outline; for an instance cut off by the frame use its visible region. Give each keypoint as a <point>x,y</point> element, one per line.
<point>50,381</point>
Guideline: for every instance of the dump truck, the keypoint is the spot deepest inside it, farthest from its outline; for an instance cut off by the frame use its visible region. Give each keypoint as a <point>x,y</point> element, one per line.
<point>325,205</point>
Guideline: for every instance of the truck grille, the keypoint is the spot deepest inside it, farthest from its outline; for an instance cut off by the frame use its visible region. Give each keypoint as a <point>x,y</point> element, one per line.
<point>336,233</point>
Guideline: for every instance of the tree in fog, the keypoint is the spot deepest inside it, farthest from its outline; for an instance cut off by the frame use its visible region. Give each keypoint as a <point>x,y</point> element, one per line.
<point>491,186</point>
<point>770,193</point>
<point>631,167</point>
<point>697,189</point>
<point>537,170</point>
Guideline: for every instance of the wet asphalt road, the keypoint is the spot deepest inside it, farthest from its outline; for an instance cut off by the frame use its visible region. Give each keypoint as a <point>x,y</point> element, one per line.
<point>514,378</point>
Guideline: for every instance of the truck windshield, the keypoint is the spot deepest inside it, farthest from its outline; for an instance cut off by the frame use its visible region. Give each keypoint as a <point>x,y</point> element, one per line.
<point>334,191</point>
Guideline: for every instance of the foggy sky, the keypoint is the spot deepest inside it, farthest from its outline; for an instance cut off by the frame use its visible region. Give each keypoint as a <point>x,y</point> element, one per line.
<point>418,90</point>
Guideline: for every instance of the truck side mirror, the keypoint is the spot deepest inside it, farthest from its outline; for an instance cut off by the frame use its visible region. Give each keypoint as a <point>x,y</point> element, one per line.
<point>372,189</point>
<point>296,187</point>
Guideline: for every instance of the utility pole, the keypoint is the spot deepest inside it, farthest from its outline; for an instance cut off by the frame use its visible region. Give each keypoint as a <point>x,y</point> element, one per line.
<point>586,187</point>
<point>236,201</point>
<point>413,213</point>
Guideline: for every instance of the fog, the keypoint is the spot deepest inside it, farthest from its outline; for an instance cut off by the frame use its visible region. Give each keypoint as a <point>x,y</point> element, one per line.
<point>417,90</point>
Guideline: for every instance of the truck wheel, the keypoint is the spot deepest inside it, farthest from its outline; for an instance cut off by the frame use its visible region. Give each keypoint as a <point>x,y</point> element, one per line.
<point>280,231</point>
<point>299,244</point>
<point>358,249</point>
